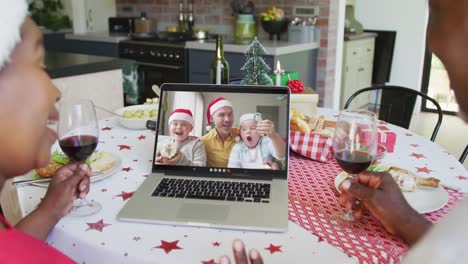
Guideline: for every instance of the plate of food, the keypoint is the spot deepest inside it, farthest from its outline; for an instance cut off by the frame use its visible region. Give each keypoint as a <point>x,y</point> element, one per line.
<point>423,194</point>
<point>103,164</point>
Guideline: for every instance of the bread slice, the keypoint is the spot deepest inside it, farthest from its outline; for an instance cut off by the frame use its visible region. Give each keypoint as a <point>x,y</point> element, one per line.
<point>104,162</point>
<point>409,181</point>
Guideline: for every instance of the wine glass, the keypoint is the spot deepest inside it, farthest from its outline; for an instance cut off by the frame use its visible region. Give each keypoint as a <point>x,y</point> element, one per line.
<point>78,134</point>
<point>355,145</point>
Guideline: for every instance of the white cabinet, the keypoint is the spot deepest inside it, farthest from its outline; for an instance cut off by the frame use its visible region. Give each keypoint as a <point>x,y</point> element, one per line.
<point>358,57</point>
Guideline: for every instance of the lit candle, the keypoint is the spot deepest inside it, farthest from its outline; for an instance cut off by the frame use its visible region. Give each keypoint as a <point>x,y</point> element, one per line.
<point>278,73</point>
<point>218,72</point>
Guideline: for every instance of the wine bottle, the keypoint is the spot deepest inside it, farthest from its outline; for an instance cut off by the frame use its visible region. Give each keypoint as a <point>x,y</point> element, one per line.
<point>190,22</point>
<point>181,20</point>
<point>219,66</point>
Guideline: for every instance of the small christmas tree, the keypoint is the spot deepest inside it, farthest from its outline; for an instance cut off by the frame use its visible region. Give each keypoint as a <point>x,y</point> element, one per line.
<point>255,68</point>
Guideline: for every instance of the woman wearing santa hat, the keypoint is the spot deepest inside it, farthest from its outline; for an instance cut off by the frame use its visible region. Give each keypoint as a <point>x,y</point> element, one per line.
<point>181,149</point>
<point>27,102</point>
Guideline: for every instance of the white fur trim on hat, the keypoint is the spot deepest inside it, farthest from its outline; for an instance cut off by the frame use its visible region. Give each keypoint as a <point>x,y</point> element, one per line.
<point>181,116</point>
<point>249,116</point>
<point>12,15</point>
<point>218,105</point>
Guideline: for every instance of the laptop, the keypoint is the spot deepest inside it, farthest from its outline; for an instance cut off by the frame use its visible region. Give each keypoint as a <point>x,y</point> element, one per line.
<point>236,195</point>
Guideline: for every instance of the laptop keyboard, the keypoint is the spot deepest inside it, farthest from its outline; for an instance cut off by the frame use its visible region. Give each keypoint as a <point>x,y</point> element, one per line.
<point>214,190</point>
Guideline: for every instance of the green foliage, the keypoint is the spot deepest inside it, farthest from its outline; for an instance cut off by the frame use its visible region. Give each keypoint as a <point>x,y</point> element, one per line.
<point>255,69</point>
<point>49,14</point>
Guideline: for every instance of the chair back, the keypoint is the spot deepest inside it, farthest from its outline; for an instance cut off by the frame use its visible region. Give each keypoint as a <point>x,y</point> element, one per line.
<point>393,104</point>
<point>463,155</point>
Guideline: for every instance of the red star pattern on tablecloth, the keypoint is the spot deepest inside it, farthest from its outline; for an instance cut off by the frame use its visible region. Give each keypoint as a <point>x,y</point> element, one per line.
<point>99,225</point>
<point>424,169</point>
<point>141,137</point>
<point>137,238</point>
<point>122,147</point>
<point>103,190</point>
<point>414,145</point>
<point>135,160</point>
<point>462,178</point>
<point>125,195</point>
<point>417,155</point>
<point>272,248</point>
<point>408,134</point>
<point>216,244</point>
<point>106,128</point>
<point>211,261</point>
<point>168,246</point>
<point>127,169</point>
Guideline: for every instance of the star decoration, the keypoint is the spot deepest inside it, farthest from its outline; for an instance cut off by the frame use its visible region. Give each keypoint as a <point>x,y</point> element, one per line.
<point>103,190</point>
<point>462,178</point>
<point>408,134</point>
<point>216,244</point>
<point>125,195</point>
<point>414,145</point>
<point>99,225</point>
<point>127,169</point>
<point>168,246</point>
<point>122,147</point>
<point>272,248</point>
<point>135,160</point>
<point>106,128</point>
<point>141,137</point>
<point>418,156</point>
<point>211,261</point>
<point>137,238</point>
<point>126,254</point>
<point>424,169</point>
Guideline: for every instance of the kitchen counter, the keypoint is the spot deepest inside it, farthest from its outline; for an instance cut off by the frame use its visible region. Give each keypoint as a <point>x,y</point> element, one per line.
<point>63,64</point>
<point>98,37</point>
<point>272,47</point>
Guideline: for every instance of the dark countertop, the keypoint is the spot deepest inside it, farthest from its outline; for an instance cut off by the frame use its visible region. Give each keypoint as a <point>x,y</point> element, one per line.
<point>63,64</point>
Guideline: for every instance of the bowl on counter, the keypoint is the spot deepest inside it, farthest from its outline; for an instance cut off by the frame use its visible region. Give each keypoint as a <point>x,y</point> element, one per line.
<point>135,116</point>
<point>275,27</point>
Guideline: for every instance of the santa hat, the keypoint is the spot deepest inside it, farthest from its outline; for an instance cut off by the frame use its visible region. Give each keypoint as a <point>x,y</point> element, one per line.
<point>12,16</point>
<point>213,106</point>
<point>246,117</point>
<point>181,114</point>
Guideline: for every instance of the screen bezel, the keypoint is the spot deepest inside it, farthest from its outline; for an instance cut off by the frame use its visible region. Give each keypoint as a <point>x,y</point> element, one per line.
<point>219,172</point>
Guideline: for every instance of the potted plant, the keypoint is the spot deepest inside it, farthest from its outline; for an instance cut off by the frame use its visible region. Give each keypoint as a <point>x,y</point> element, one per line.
<point>245,30</point>
<point>49,14</point>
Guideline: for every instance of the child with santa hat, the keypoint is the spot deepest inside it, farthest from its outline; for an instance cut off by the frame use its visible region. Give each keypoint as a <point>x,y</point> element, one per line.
<point>255,151</point>
<point>181,149</point>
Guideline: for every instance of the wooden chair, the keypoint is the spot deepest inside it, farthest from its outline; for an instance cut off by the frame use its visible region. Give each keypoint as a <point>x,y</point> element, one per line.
<point>394,104</point>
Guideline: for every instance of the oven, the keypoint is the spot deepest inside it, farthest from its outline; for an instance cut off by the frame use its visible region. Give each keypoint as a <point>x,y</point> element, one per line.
<point>158,63</point>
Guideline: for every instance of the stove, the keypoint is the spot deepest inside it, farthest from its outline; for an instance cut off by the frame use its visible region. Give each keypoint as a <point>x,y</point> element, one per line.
<point>161,58</point>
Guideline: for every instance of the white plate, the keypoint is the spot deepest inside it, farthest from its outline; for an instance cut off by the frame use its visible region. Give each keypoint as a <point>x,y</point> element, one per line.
<point>423,200</point>
<point>115,167</point>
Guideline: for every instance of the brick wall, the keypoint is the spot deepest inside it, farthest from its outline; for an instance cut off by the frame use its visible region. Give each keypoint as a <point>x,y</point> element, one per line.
<point>218,12</point>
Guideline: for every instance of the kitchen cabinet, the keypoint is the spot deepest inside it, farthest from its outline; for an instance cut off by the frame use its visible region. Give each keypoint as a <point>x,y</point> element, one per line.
<point>358,57</point>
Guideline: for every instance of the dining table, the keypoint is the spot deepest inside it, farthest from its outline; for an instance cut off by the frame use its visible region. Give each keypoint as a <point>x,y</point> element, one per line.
<point>312,236</point>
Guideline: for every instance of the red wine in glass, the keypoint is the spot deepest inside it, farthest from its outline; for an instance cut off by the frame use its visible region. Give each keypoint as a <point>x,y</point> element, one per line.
<point>354,146</point>
<point>79,148</point>
<point>78,133</point>
<point>353,162</point>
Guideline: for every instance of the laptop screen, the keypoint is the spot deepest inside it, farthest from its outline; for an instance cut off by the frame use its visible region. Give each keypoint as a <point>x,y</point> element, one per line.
<point>222,130</point>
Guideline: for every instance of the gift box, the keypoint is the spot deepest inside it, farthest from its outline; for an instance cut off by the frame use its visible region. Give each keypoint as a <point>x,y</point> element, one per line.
<point>305,102</point>
<point>310,145</point>
<point>293,75</point>
<point>386,138</point>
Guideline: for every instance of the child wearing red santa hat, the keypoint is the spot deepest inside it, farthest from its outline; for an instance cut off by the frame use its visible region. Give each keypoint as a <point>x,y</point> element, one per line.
<point>254,151</point>
<point>181,149</point>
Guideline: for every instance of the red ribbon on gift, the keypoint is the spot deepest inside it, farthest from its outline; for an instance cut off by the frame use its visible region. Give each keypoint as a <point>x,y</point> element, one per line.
<point>296,86</point>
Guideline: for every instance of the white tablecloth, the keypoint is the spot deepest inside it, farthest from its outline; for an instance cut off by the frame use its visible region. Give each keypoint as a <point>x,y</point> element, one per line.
<point>101,238</point>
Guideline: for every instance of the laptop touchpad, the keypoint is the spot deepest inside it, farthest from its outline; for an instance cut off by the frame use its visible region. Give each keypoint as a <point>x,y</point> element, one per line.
<point>203,211</point>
